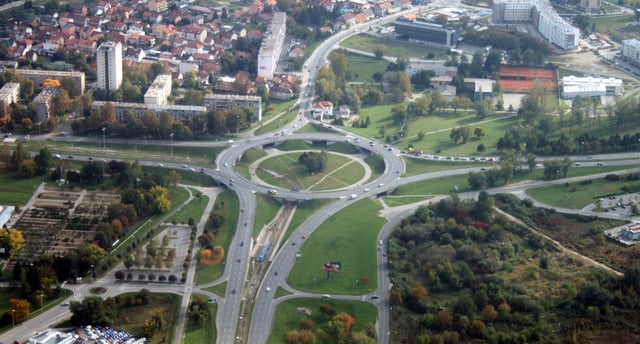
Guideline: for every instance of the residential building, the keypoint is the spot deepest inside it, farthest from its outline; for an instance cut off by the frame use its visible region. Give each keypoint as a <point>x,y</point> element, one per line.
<point>109,66</point>
<point>322,110</point>
<point>631,50</point>
<point>549,24</point>
<point>159,91</point>
<point>9,93</point>
<point>39,76</point>
<point>272,46</point>
<point>179,112</point>
<point>43,103</point>
<point>215,102</point>
<point>421,31</point>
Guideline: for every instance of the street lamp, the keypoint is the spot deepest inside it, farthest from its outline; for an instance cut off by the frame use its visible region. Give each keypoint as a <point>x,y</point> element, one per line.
<point>41,296</point>
<point>581,147</point>
<point>104,140</point>
<point>13,317</point>
<point>91,272</point>
<point>237,123</point>
<point>171,136</point>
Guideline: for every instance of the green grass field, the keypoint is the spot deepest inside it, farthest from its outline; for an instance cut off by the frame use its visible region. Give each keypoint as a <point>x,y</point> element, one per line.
<point>276,124</point>
<point>303,212</point>
<point>218,289</point>
<point>248,157</point>
<point>417,166</point>
<point>17,190</point>
<point>339,172</point>
<point>394,201</point>
<point>578,195</point>
<point>202,333</point>
<point>393,47</point>
<point>349,237</point>
<point>338,147</point>
<point>266,209</point>
<point>313,128</point>
<point>224,236</point>
<point>363,67</point>
<point>194,209</point>
<point>287,317</point>
<point>376,163</point>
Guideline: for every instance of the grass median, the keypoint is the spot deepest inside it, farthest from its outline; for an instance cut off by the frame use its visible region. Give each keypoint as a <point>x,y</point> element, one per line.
<point>348,237</point>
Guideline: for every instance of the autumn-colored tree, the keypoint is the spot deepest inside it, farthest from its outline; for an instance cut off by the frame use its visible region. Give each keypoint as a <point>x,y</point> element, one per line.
<point>306,337</point>
<point>11,239</point>
<point>161,203</point>
<point>489,313</point>
<point>22,309</point>
<point>443,319</point>
<point>173,178</point>
<point>206,256</point>
<point>293,337</point>
<point>477,328</point>
<point>306,324</point>
<point>395,297</point>
<point>218,254</point>
<point>116,228</point>
<point>50,82</point>
<point>346,319</point>
<point>420,293</point>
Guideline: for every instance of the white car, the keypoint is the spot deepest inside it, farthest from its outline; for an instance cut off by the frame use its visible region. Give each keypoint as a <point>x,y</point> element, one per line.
<point>325,296</point>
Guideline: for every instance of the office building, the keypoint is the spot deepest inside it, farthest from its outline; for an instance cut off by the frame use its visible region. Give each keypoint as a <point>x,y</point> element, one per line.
<point>109,66</point>
<point>631,50</point>
<point>573,86</point>
<point>424,32</point>
<point>9,93</point>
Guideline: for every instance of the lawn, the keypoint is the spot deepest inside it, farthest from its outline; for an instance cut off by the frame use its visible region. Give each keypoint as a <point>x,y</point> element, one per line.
<point>219,289</point>
<point>417,166</point>
<point>349,237</point>
<point>338,147</point>
<point>620,26</point>
<point>204,156</point>
<point>314,128</point>
<point>193,210</point>
<point>277,123</point>
<point>393,47</point>
<point>202,333</point>
<point>224,235</point>
<point>187,177</point>
<point>287,317</point>
<point>340,172</point>
<point>363,67</point>
<point>394,201</point>
<point>17,190</point>
<point>266,209</point>
<point>377,165</point>
<point>248,157</point>
<point>436,186</point>
<point>303,212</point>
<point>577,195</point>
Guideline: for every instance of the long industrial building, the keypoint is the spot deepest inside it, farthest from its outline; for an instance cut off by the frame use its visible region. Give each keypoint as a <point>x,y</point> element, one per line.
<point>574,86</point>
<point>271,47</point>
<point>39,76</point>
<point>229,101</point>
<point>544,17</point>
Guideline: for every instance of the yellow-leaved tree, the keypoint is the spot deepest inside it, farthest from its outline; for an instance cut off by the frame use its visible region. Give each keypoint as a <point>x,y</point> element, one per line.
<point>11,240</point>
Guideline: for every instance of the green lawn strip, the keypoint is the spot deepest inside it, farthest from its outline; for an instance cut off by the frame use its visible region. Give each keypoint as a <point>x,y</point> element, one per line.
<point>287,317</point>
<point>314,128</point>
<point>337,173</point>
<point>276,124</point>
<point>435,186</point>
<point>202,333</point>
<point>376,163</point>
<point>187,177</point>
<point>266,209</point>
<point>392,201</point>
<point>349,237</point>
<point>18,190</point>
<point>279,106</point>
<point>577,195</point>
<point>248,157</point>
<point>219,289</point>
<point>303,212</point>
<point>224,235</point>
<point>394,48</point>
<point>338,147</point>
<point>193,210</point>
<point>177,196</point>
<point>363,67</point>
<point>417,166</point>
<point>280,292</point>
<point>160,152</point>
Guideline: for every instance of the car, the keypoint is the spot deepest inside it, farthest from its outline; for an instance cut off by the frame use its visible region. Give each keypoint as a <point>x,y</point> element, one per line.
<point>241,243</point>
<point>238,260</point>
<point>211,300</point>
<point>293,243</point>
<point>577,164</point>
<point>379,242</point>
<point>273,192</point>
<point>304,236</point>
<point>373,297</point>
<point>483,169</point>
<point>192,169</point>
<point>325,296</point>
<point>599,164</point>
<point>366,189</point>
<point>267,289</point>
<point>70,157</point>
<point>229,141</point>
<point>160,165</point>
<point>64,304</point>
<point>57,156</point>
<point>90,158</point>
<point>245,224</point>
<point>380,185</point>
<point>49,139</point>
<point>226,164</point>
<point>185,166</point>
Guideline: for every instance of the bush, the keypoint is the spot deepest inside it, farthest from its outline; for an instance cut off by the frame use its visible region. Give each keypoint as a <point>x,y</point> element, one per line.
<point>172,278</point>
<point>120,275</point>
<point>142,277</point>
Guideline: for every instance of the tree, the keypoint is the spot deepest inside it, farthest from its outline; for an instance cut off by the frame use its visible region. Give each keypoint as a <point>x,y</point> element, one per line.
<point>420,135</point>
<point>479,132</point>
<point>460,103</point>
<point>314,162</point>
<point>173,179</point>
<point>379,51</point>
<point>43,161</point>
<point>90,311</point>
<point>26,89</point>
<point>11,239</point>
<point>92,173</point>
<point>22,309</point>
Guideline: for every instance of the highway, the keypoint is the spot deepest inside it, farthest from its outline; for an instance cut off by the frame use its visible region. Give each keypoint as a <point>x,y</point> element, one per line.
<point>238,262</point>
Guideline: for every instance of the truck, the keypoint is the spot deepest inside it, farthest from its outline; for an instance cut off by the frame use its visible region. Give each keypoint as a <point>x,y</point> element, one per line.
<point>352,196</point>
